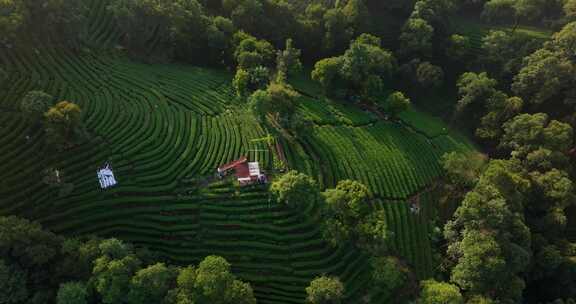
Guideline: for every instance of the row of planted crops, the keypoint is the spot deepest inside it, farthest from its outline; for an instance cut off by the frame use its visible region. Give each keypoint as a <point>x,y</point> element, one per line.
<point>411,232</point>
<point>163,129</point>
<point>391,160</point>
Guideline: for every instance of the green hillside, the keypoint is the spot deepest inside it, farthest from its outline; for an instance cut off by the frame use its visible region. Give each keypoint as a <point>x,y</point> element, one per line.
<point>352,109</point>
<point>165,129</point>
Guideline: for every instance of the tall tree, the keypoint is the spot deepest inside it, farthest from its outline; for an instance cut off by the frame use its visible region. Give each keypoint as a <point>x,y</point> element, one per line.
<point>474,89</point>
<point>72,293</point>
<point>388,272</point>
<point>434,12</point>
<point>288,61</point>
<point>325,290</point>
<point>216,284</point>
<point>570,8</point>
<point>279,101</point>
<point>296,190</point>
<point>326,73</point>
<point>565,41</point>
<point>481,105</point>
<point>416,37</point>
<point>463,169</point>
<point>545,75</point>
<point>62,122</point>
<point>429,75</point>
<point>348,218</point>
<point>14,17</point>
<point>528,132</point>
<point>36,103</point>
<point>357,15</point>
<point>363,62</point>
<point>500,108</point>
<point>150,284</point>
<point>489,242</point>
<point>254,58</point>
<point>337,32</point>
<point>440,293</point>
<point>13,281</point>
<point>397,103</point>
<point>30,257</point>
<point>504,51</point>
<point>248,15</point>
<point>113,270</point>
<point>459,47</point>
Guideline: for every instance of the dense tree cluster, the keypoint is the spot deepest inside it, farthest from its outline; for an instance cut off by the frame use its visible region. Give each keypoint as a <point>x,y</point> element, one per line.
<point>516,209</point>
<point>481,102</point>
<point>547,76</point>
<point>510,228</point>
<point>254,60</point>
<point>504,51</point>
<point>62,19</point>
<point>178,26</point>
<point>363,68</point>
<point>348,217</point>
<point>513,221</point>
<point>37,266</point>
<point>515,11</point>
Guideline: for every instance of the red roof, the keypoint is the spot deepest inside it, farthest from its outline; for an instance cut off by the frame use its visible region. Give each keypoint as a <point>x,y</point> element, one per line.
<point>242,170</point>
<point>234,164</point>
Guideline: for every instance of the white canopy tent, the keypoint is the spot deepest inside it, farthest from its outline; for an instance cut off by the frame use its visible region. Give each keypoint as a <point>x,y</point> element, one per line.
<point>106,177</point>
<point>254,169</point>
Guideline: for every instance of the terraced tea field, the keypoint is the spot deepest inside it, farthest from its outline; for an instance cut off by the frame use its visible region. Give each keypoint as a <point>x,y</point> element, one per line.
<point>165,129</point>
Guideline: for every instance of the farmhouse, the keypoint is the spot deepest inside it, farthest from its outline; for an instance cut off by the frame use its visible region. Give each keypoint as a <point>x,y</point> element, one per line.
<point>246,172</point>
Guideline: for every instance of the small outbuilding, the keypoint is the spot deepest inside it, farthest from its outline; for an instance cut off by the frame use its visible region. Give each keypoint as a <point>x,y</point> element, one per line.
<point>247,173</point>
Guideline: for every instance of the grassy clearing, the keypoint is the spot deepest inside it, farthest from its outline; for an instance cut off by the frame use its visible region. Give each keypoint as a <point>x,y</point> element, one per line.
<point>428,125</point>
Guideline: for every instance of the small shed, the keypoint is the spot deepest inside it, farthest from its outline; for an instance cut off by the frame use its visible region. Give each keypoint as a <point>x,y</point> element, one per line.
<point>246,172</point>
<point>106,177</point>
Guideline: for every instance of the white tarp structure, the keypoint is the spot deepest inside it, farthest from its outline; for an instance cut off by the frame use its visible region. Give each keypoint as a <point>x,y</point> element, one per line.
<point>254,169</point>
<point>106,177</point>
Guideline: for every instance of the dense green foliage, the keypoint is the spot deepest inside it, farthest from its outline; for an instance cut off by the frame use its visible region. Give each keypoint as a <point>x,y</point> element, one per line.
<point>324,290</point>
<point>371,200</point>
<point>363,68</point>
<point>117,272</point>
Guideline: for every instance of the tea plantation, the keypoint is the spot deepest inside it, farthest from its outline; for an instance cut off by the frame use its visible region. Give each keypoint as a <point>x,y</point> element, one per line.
<point>166,128</point>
